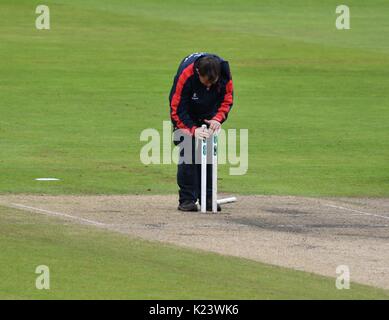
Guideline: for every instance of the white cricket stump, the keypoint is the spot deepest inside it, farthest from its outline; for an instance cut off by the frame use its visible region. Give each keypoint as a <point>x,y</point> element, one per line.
<point>227,200</point>
<point>214,173</point>
<point>203,174</point>
<point>204,161</point>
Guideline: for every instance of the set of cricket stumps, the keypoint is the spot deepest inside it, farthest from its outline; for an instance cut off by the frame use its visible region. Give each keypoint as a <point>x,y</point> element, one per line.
<point>204,157</point>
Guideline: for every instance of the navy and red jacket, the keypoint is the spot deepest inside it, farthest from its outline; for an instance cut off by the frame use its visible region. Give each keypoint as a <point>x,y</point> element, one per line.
<point>191,102</point>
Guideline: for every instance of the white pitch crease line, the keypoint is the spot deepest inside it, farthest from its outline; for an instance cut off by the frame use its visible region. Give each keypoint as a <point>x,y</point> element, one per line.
<point>53,213</point>
<point>361,212</point>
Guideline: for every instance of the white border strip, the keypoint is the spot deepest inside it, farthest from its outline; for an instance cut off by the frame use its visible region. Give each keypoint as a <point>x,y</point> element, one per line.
<point>53,213</point>
<point>361,212</point>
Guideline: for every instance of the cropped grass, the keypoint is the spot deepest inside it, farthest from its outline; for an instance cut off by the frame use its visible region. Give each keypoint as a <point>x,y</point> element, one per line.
<point>88,263</point>
<point>75,99</point>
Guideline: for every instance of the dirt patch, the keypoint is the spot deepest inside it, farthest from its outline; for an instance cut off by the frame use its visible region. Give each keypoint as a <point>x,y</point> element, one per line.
<point>309,234</point>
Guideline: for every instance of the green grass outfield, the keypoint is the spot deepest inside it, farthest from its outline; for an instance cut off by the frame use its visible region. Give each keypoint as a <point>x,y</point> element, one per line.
<point>88,263</point>
<point>75,99</point>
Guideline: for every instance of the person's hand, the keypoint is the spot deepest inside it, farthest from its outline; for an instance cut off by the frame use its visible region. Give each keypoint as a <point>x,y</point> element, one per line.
<point>214,126</point>
<point>202,133</point>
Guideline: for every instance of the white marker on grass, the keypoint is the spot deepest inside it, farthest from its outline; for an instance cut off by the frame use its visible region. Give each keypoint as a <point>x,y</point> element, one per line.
<point>47,179</point>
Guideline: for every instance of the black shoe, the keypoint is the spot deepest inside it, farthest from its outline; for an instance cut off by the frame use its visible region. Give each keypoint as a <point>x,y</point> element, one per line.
<point>188,206</point>
<point>209,206</point>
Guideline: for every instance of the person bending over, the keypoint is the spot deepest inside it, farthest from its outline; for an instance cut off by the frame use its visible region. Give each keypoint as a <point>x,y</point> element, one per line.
<point>202,93</point>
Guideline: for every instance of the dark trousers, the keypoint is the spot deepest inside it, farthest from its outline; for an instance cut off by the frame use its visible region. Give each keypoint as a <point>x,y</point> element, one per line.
<point>189,176</point>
